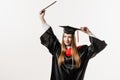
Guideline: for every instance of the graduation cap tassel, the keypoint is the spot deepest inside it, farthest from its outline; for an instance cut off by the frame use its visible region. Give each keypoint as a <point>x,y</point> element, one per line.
<point>78,36</point>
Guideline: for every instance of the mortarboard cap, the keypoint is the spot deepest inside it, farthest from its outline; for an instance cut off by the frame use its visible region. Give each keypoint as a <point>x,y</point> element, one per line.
<point>69,29</point>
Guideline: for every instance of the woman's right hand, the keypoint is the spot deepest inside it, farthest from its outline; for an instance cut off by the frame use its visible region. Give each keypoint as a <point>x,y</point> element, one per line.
<point>42,13</point>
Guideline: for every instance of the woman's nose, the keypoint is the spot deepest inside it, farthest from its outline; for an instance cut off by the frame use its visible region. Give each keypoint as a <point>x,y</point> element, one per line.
<point>67,39</point>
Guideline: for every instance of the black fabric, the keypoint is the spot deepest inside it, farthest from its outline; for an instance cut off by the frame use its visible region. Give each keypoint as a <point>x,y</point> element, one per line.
<point>67,71</point>
<point>69,29</point>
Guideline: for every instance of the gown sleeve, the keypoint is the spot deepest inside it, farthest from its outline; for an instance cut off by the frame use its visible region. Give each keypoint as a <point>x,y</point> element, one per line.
<point>96,46</point>
<point>49,40</point>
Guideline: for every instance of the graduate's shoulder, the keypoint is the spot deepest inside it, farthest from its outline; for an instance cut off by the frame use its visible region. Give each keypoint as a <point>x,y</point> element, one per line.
<point>82,47</point>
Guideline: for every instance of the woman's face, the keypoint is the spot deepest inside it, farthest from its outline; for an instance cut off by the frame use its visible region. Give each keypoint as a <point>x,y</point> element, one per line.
<point>67,39</point>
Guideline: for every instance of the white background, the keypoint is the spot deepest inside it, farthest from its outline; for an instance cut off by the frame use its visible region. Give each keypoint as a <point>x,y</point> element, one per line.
<point>22,57</point>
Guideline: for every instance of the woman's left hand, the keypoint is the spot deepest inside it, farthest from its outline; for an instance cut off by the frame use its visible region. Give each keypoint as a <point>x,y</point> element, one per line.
<point>86,30</point>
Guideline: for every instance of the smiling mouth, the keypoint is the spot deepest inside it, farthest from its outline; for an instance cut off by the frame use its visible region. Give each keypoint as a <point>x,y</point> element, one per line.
<point>67,42</point>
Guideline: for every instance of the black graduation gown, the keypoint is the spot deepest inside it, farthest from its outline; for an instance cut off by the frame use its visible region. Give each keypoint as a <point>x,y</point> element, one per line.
<point>67,71</point>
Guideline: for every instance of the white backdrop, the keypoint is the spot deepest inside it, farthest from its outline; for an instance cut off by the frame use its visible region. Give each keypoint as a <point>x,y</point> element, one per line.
<point>22,57</point>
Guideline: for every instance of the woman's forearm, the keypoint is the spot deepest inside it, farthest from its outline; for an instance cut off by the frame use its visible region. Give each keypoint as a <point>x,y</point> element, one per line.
<point>43,20</point>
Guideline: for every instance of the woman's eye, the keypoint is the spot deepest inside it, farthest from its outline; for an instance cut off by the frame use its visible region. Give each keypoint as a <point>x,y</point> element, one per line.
<point>69,37</point>
<point>64,36</point>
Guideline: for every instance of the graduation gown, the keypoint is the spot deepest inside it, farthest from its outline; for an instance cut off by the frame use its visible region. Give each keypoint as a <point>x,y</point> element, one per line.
<point>67,71</point>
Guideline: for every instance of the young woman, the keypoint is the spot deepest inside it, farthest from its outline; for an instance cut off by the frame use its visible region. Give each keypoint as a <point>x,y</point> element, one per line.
<point>69,61</point>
